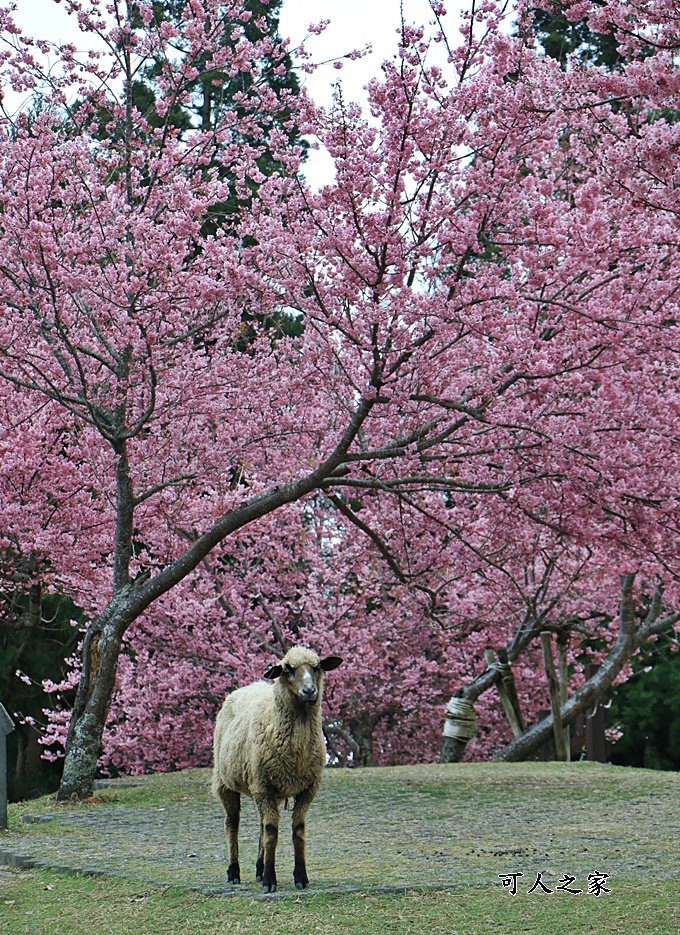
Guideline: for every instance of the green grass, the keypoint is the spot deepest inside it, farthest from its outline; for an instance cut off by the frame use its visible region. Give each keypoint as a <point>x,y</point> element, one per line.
<point>436,836</point>
<point>47,903</point>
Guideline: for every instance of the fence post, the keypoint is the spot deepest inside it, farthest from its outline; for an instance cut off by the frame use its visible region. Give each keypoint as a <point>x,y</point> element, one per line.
<point>6,727</point>
<point>561,749</point>
<point>596,742</point>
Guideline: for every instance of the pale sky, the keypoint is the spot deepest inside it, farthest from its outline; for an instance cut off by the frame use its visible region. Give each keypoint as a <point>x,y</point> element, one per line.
<point>354,24</point>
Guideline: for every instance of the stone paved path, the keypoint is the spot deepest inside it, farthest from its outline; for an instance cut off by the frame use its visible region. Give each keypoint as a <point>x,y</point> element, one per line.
<point>430,826</point>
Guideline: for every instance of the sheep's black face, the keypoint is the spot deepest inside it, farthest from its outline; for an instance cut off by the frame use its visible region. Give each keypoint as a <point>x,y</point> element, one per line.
<point>303,681</point>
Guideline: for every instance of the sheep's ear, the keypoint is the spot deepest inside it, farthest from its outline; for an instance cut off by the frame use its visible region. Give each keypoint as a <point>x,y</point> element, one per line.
<point>272,672</point>
<point>330,662</point>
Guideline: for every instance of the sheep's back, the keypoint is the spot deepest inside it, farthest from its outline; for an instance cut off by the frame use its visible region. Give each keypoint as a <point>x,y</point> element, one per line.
<point>241,725</point>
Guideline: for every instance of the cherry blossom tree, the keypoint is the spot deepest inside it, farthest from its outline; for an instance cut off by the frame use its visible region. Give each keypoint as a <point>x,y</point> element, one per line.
<point>253,604</point>
<point>396,611</point>
<point>486,309</point>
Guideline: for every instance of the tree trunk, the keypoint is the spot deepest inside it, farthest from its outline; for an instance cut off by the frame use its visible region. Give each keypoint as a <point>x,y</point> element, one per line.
<point>362,732</point>
<point>93,699</point>
<point>452,750</point>
<point>366,749</point>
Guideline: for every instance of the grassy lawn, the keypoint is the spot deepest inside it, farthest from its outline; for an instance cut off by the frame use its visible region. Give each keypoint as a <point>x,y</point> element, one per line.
<point>48,903</point>
<point>437,837</point>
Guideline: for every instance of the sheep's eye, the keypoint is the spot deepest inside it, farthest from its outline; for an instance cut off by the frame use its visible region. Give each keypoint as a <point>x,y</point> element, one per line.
<point>288,669</point>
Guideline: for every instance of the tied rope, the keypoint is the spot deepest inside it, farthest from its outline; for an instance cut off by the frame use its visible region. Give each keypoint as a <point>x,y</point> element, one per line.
<point>461,720</point>
<point>504,669</point>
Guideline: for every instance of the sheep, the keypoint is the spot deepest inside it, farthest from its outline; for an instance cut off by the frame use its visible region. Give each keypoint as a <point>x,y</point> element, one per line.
<point>269,746</point>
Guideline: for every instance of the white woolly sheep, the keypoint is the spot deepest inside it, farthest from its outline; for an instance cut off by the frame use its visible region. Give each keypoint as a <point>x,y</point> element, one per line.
<point>269,745</point>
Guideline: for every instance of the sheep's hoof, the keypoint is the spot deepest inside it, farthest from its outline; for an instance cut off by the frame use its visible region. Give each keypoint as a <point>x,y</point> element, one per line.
<point>300,876</point>
<point>269,879</point>
<point>233,873</point>
<point>258,877</point>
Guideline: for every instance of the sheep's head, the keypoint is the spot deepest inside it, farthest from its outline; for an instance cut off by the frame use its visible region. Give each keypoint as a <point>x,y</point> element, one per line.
<point>302,673</point>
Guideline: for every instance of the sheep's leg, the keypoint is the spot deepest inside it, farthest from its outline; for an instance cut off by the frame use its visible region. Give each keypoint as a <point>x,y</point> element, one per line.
<point>232,807</point>
<point>269,823</point>
<point>259,865</point>
<point>302,803</point>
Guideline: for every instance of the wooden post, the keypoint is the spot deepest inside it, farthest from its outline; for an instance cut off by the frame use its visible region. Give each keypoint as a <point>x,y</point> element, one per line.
<point>555,703</point>
<point>510,687</point>
<point>6,727</point>
<point>596,742</point>
<point>506,700</point>
<point>562,646</point>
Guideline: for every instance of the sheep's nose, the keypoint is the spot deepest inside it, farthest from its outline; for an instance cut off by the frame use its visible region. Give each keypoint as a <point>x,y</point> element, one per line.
<point>309,693</point>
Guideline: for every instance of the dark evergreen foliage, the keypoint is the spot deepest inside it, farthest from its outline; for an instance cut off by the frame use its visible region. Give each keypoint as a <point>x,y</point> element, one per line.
<point>647,709</point>
<point>36,652</point>
<point>560,37</point>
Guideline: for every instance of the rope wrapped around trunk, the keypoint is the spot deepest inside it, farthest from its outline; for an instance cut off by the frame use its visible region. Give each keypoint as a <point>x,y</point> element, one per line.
<point>461,720</point>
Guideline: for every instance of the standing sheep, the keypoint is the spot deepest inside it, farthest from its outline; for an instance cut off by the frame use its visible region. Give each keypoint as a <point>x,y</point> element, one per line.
<point>269,745</point>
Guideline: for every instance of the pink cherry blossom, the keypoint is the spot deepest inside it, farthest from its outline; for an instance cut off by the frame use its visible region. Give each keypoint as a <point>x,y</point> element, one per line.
<point>476,427</point>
